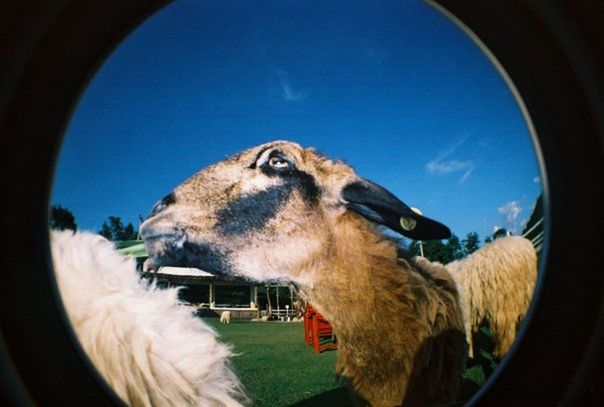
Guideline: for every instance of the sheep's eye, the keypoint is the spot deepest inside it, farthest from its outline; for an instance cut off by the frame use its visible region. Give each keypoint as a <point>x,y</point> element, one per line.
<point>278,162</point>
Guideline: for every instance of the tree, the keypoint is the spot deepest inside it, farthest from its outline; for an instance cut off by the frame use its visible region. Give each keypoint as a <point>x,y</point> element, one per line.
<point>438,250</point>
<point>106,231</point>
<point>62,218</point>
<point>115,230</point>
<point>129,232</point>
<point>453,250</point>
<point>414,249</point>
<point>434,250</point>
<point>471,243</point>
<point>501,232</point>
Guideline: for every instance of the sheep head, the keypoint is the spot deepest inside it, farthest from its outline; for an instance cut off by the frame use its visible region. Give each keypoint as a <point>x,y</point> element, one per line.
<point>264,213</point>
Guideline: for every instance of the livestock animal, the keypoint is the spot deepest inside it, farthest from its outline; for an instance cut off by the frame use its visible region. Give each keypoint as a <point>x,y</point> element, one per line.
<point>279,212</point>
<point>225,317</point>
<point>146,345</point>
<point>497,283</point>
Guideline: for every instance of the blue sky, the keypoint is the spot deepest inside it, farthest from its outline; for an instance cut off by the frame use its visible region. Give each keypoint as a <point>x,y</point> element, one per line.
<point>393,88</point>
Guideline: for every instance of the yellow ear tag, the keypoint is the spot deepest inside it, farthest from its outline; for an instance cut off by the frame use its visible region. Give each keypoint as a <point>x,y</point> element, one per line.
<point>408,223</point>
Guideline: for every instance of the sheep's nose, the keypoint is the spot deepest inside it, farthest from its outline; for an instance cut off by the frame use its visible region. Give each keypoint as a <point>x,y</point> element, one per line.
<point>162,204</point>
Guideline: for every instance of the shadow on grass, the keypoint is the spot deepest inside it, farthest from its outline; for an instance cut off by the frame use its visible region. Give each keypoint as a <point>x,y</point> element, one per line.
<point>479,368</point>
<point>332,398</point>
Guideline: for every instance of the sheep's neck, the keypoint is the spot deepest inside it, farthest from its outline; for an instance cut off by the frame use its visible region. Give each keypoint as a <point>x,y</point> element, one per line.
<point>348,279</point>
<point>359,288</point>
<point>381,308</point>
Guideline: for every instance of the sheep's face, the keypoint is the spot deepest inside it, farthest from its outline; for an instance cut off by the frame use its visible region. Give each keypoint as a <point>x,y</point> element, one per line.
<point>263,213</point>
<point>257,214</point>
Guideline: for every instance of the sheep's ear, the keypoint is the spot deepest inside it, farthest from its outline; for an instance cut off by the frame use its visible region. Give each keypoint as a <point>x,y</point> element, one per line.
<point>378,205</point>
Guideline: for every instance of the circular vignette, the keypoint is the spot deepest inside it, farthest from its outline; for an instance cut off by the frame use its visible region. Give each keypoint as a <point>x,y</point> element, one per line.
<point>550,53</point>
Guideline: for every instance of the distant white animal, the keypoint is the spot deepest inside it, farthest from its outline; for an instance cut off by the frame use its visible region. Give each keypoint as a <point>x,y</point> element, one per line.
<point>147,346</point>
<point>225,317</point>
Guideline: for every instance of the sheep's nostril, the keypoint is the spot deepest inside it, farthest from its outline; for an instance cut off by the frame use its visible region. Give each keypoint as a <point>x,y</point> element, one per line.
<point>162,204</point>
<point>168,199</point>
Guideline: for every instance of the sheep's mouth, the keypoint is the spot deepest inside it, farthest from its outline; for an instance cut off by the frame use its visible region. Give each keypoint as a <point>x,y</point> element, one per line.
<point>177,251</point>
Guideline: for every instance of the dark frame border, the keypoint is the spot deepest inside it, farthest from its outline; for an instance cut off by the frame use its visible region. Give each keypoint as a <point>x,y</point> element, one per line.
<point>552,52</point>
<point>50,51</point>
<point>549,50</point>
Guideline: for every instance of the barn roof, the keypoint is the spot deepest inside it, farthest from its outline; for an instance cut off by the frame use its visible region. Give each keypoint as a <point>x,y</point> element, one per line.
<point>185,272</point>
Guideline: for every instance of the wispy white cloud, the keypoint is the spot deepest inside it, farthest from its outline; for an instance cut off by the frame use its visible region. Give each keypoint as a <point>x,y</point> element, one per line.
<point>536,180</point>
<point>290,94</point>
<point>443,166</point>
<point>510,213</point>
<point>287,91</point>
<point>467,174</point>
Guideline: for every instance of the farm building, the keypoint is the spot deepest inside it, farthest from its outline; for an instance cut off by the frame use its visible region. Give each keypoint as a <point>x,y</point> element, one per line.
<point>210,294</point>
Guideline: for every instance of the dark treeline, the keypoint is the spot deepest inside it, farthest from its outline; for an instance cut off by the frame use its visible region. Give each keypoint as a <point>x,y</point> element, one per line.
<point>114,229</point>
<point>446,251</point>
<point>62,219</point>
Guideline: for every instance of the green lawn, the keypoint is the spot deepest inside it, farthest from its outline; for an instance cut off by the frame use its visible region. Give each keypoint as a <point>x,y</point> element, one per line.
<point>279,369</point>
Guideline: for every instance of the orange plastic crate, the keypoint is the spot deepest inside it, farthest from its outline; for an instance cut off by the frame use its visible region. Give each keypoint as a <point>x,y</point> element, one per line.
<point>318,333</point>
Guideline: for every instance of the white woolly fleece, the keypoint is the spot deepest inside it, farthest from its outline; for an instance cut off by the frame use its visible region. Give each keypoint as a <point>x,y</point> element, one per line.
<point>149,348</point>
<point>496,283</point>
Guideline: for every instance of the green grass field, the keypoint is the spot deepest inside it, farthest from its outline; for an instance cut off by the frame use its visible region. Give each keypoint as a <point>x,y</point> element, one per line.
<point>276,365</point>
<point>279,369</point>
